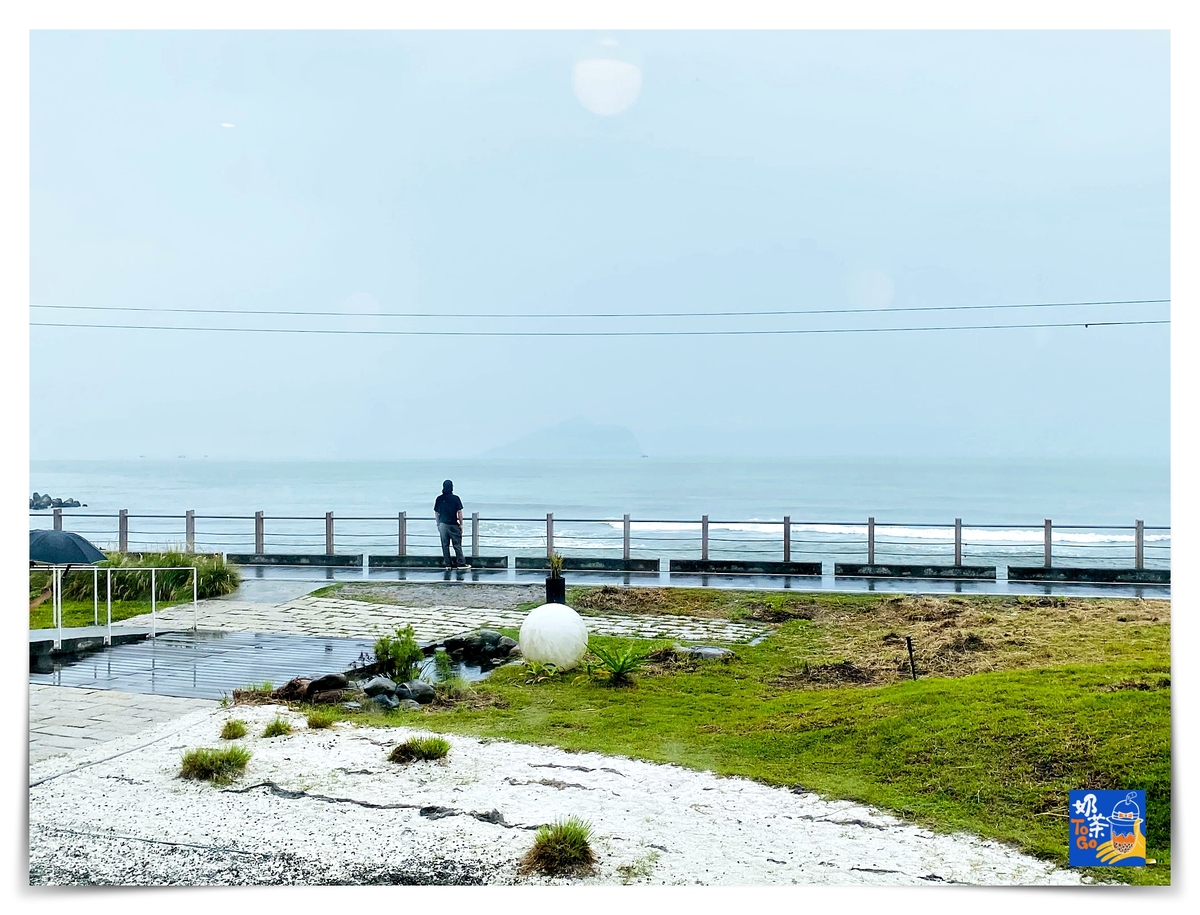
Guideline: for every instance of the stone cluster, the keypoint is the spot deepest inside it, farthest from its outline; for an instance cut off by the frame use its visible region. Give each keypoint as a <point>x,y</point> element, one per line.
<point>483,646</point>
<point>40,502</point>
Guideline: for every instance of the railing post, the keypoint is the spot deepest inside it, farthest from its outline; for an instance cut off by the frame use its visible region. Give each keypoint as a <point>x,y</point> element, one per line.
<point>58,519</point>
<point>259,534</point>
<point>108,606</point>
<point>95,596</point>
<point>123,531</point>
<point>1139,543</point>
<point>870,541</point>
<point>704,538</point>
<point>1049,526</point>
<point>403,533</point>
<point>787,538</point>
<point>549,534</point>
<point>328,533</point>
<point>153,605</point>
<point>626,554</point>
<point>474,535</point>
<point>958,541</point>
<point>189,529</point>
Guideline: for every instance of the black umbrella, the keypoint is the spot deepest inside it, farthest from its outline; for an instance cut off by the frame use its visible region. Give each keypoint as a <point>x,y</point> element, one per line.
<point>62,548</point>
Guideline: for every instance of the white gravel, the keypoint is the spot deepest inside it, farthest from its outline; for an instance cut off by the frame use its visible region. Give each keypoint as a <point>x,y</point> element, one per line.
<point>327,807</point>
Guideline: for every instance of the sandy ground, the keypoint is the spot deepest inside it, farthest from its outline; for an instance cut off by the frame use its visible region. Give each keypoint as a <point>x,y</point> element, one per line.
<point>326,807</point>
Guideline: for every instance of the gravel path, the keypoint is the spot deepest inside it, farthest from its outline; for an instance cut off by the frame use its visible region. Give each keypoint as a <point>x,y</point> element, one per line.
<point>326,807</point>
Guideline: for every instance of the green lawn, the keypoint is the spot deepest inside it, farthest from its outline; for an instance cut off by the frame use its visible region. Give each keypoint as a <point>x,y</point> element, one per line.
<point>79,613</point>
<point>1047,697</point>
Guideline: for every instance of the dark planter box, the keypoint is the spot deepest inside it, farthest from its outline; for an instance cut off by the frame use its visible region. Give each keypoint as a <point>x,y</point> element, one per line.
<point>349,560</point>
<point>854,570</point>
<point>743,567</point>
<point>1105,576</point>
<point>435,562</point>
<point>589,564</point>
<point>556,590</point>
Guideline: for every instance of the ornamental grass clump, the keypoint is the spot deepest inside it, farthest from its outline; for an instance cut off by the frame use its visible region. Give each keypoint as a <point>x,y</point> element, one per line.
<point>277,727</point>
<point>320,718</point>
<point>427,748</point>
<point>214,577</point>
<point>561,849</point>
<point>220,767</point>
<point>618,664</point>
<point>233,729</point>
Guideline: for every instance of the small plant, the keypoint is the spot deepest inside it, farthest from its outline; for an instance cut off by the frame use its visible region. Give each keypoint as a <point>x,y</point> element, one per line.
<point>561,849</point>
<point>619,663</point>
<point>265,687</point>
<point>321,718</point>
<point>217,766</point>
<point>642,867</point>
<point>536,672</point>
<point>556,565</point>
<point>233,729</point>
<point>453,688</point>
<point>420,748</point>
<point>277,727</point>
<point>443,665</point>
<point>399,656</point>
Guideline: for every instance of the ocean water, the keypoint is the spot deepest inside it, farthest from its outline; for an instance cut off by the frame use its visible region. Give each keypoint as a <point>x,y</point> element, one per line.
<point>1093,505</point>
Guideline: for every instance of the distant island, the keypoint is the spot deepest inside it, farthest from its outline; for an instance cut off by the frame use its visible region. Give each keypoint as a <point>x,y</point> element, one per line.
<point>574,438</point>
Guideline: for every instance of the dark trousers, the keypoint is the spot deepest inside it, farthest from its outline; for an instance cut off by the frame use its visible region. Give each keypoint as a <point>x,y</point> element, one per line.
<point>451,533</point>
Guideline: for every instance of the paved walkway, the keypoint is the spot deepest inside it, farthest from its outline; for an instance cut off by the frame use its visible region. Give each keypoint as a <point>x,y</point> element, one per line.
<point>341,618</point>
<point>62,719</point>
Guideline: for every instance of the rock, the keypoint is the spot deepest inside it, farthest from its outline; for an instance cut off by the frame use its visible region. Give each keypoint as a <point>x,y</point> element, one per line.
<point>409,704</point>
<point>402,692</point>
<point>327,682</point>
<point>295,689</point>
<point>421,691</point>
<point>705,653</point>
<point>505,646</point>
<point>327,696</point>
<point>379,685</point>
<point>454,644</point>
<point>385,702</point>
<point>351,706</point>
<point>473,645</point>
<point>490,637</point>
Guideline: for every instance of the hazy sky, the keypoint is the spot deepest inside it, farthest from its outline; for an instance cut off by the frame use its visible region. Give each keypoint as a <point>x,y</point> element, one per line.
<point>548,172</point>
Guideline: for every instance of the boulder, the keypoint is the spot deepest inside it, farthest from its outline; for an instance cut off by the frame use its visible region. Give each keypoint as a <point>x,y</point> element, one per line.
<point>327,696</point>
<point>327,682</point>
<point>409,704</point>
<point>402,692</point>
<point>505,646</point>
<point>294,690</point>
<point>379,685</point>
<point>421,691</point>
<point>490,637</point>
<point>384,701</point>
<point>454,644</point>
<point>705,653</point>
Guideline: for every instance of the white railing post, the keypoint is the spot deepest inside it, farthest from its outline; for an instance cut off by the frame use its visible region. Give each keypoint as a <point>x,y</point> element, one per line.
<point>704,538</point>
<point>549,534</point>
<point>626,538</point>
<point>108,605</point>
<point>153,604</point>
<point>787,538</point>
<point>95,596</point>
<point>871,541</point>
<point>58,606</point>
<point>1046,550</point>
<point>195,602</point>
<point>958,541</point>
<point>474,535</point>
<point>1139,544</point>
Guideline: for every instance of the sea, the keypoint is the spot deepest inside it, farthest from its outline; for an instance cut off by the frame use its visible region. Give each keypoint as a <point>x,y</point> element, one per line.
<point>1003,504</point>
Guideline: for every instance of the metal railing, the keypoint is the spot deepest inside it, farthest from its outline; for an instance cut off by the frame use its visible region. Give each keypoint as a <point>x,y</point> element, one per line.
<point>867,541</point>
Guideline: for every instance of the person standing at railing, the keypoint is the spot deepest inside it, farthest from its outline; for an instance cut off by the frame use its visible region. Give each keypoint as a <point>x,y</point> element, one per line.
<point>449,510</point>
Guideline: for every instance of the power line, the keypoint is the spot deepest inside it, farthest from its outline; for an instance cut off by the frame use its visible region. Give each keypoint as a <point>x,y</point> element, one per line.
<point>647,314</point>
<point>599,333</point>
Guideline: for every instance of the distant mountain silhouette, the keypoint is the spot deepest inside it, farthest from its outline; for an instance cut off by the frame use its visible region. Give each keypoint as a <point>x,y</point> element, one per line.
<point>574,438</point>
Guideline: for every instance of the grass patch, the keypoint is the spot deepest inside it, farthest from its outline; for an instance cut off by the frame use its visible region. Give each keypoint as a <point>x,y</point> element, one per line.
<point>233,729</point>
<point>217,766</point>
<point>561,849</point>
<point>618,663</point>
<point>277,727</point>
<point>1071,697</point>
<point>321,718</point>
<point>424,748</point>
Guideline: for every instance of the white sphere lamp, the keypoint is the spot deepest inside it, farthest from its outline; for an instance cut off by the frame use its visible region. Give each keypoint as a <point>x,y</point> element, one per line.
<point>554,634</point>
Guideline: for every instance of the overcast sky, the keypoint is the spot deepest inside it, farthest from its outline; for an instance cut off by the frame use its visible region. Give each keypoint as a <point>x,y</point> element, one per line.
<point>550,172</point>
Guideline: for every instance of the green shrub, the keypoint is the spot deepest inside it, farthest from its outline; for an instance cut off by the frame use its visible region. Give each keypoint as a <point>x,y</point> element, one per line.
<point>233,729</point>
<point>277,727</point>
<point>561,849</point>
<point>321,718</point>
<point>443,665</point>
<point>214,577</point>
<point>399,657</point>
<point>420,748</point>
<point>217,766</point>
<point>619,663</point>
<point>454,687</point>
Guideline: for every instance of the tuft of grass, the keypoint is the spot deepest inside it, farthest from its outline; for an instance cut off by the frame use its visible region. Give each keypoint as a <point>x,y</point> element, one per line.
<point>561,849</point>
<point>277,727</point>
<point>618,664</point>
<point>217,766</point>
<point>415,748</point>
<point>233,729</point>
<point>638,869</point>
<point>399,656</point>
<point>321,718</point>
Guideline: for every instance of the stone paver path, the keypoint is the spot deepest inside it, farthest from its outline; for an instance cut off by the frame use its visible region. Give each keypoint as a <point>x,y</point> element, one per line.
<point>62,718</point>
<point>339,617</point>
